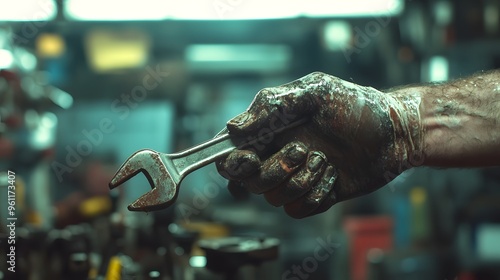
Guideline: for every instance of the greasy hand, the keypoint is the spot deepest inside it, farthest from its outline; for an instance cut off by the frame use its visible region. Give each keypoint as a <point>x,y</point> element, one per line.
<point>356,140</point>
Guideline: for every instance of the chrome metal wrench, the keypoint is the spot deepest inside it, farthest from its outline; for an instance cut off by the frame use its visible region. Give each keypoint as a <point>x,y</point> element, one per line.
<point>166,171</point>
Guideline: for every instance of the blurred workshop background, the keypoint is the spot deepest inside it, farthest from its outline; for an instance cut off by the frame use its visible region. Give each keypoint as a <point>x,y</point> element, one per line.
<point>85,83</point>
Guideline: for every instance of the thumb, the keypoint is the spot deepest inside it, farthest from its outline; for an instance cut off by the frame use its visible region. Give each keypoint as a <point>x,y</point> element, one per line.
<point>272,109</point>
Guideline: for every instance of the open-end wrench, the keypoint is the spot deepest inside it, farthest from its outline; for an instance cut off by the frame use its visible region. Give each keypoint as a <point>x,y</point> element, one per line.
<point>166,171</point>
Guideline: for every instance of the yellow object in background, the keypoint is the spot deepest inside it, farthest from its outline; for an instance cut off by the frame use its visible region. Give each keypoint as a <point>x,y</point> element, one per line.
<point>114,269</point>
<point>33,218</point>
<point>20,194</point>
<point>50,45</point>
<point>111,50</point>
<point>418,196</point>
<point>420,220</point>
<point>93,273</point>
<point>95,206</point>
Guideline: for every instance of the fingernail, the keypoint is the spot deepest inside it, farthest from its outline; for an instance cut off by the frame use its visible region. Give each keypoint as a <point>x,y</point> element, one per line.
<point>315,162</point>
<point>240,119</point>
<point>243,165</point>
<point>294,156</point>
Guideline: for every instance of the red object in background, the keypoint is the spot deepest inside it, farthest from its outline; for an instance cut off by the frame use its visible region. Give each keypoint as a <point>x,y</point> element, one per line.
<point>12,78</point>
<point>6,148</point>
<point>9,75</point>
<point>98,175</point>
<point>14,121</point>
<point>466,276</point>
<point>366,233</point>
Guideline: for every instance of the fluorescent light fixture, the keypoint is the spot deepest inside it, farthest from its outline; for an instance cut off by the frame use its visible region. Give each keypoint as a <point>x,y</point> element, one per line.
<point>242,58</point>
<point>6,59</point>
<point>27,10</point>
<point>352,8</point>
<point>227,9</point>
<point>438,69</point>
<point>116,10</point>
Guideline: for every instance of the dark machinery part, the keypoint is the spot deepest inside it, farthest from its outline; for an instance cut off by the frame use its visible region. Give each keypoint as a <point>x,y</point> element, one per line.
<point>226,255</point>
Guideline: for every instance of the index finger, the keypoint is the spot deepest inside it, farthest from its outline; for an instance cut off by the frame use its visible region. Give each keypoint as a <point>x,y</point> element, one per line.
<point>274,108</point>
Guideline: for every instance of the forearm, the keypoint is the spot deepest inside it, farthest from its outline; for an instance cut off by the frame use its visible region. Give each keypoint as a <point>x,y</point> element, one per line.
<point>460,121</point>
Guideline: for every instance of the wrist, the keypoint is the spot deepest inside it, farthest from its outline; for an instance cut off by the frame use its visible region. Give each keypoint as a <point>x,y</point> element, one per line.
<point>461,124</point>
<point>409,131</point>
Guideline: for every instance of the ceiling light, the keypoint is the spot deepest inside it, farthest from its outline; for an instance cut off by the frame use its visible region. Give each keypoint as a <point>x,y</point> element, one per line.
<point>27,10</point>
<point>238,58</point>
<point>98,10</point>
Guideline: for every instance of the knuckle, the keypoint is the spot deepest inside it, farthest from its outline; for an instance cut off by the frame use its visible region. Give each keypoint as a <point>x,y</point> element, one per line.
<point>298,182</point>
<point>326,183</point>
<point>294,154</point>
<point>241,164</point>
<point>297,145</point>
<point>322,193</point>
<point>316,162</point>
<point>265,95</point>
<point>324,81</point>
<point>298,186</point>
<point>321,77</point>
<point>318,74</point>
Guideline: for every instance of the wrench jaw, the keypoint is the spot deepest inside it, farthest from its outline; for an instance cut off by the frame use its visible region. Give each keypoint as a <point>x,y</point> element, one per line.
<point>129,169</point>
<point>164,188</point>
<point>155,199</point>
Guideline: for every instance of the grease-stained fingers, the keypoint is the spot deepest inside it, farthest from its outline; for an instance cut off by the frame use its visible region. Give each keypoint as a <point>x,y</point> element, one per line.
<point>319,199</point>
<point>300,182</point>
<point>239,164</point>
<point>277,168</point>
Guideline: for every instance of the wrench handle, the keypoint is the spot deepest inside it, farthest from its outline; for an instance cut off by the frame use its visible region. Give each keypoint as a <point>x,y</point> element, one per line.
<point>212,150</point>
